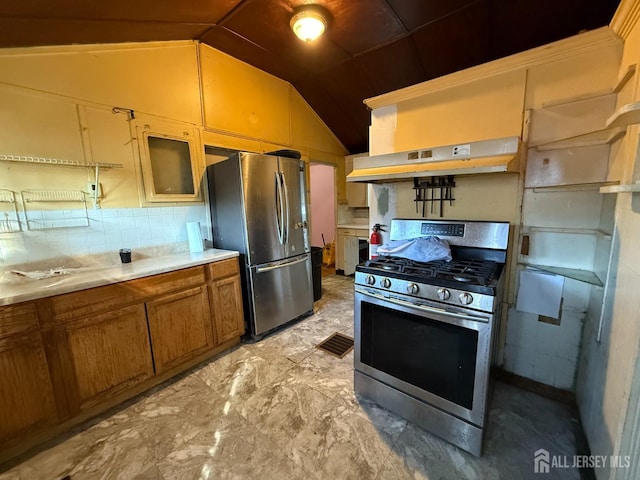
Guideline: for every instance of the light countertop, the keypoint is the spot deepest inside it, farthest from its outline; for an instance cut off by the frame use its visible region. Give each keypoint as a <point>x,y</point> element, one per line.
<point>359,226</point>
<point>20,289</point>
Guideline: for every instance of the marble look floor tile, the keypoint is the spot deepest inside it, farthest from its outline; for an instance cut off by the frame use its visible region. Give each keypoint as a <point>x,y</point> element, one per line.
<point>317,330</point>
<point>288,344</point>
<point>152,474</point>
<point>60,459</point>
<point>242,373</point>
<point>283,409</point>
<point>232,449</point>
<point>345,442</point>
<point>326,373</point>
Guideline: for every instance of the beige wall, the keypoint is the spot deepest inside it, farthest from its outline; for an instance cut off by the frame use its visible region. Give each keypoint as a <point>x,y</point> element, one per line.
<point>56,102</point>
<point>488,101</point>
<point>155,78</point>
<point>609,369</point>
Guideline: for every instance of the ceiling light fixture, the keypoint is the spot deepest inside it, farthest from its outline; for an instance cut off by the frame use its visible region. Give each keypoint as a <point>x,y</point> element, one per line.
<point>308,22</point>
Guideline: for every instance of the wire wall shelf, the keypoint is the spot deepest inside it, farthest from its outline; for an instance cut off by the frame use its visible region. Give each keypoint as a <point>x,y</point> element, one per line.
<point>55,161</point>
<point>40,220</point>
<point>97,166</point>
<point>9,219</point>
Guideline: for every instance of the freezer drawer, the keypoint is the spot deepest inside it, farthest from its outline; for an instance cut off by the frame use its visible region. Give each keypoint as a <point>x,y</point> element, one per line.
<point>281,291</point>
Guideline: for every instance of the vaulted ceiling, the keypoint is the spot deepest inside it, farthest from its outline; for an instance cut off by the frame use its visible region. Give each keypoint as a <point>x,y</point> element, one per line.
<point>370,47</point>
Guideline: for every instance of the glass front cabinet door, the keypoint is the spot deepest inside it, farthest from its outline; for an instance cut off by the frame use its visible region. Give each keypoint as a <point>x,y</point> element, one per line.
<point>171,162</point>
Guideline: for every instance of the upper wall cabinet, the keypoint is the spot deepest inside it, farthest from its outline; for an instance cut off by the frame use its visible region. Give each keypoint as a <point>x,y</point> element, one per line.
<point>171,162</point>
<point>40,126</point>
<point>243,100</point>
<point>357,193</point>
<point>479,110</point>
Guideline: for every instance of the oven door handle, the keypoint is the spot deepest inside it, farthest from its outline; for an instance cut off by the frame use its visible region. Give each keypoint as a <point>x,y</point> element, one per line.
<point>425,308</point>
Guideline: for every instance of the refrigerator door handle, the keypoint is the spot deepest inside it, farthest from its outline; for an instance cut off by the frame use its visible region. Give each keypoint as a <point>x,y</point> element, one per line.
<point>279,209</point>
<point>285,235</point>
<point>281,265</point>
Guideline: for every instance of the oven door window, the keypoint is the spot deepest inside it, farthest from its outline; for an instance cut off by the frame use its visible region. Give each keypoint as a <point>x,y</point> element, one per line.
<point>434,356</point>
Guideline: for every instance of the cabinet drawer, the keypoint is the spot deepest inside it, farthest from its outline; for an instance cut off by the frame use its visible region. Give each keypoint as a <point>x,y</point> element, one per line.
<point>101,299</point>
<point>353,232</point>
<point>18,318</point>
<point>170,281</point>
<point>222,269</point>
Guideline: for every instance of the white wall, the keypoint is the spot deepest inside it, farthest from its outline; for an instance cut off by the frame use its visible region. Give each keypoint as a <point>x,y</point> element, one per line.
<point>322,204</point>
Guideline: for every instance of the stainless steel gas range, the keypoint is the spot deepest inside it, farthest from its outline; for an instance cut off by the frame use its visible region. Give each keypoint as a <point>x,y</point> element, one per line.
<point>424,332</point>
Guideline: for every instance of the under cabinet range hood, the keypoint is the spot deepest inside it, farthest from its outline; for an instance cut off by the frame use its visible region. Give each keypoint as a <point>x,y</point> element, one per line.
<point>486,156</point>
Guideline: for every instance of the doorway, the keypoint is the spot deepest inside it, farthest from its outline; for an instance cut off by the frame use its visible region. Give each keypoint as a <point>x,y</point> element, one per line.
<point>322,203</point>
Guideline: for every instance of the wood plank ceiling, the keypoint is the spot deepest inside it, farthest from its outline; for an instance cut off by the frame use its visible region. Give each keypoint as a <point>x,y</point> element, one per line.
<point>371,46</point>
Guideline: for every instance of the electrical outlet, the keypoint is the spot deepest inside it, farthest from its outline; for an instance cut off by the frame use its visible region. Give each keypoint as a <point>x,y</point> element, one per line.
<point>91,188</point>
<point>462,150</point>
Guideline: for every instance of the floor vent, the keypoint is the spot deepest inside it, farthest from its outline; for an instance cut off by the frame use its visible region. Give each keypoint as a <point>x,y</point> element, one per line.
<point>337,344</point>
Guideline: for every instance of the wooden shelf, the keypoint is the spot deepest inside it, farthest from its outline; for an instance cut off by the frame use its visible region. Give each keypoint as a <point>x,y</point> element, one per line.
<point>575,187</point>
<point>599,137</point>
<point>626,115</point>
<point>627,188</point>
<point>624,77</point>
<point>576,231</point>
<point>585,276</point>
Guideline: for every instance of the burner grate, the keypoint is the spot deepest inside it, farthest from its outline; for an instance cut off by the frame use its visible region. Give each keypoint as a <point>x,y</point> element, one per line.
<point>337,345</point>
<point>468,271</point>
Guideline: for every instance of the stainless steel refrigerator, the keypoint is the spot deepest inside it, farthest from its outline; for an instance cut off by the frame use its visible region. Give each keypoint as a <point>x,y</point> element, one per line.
<point>259,208</point>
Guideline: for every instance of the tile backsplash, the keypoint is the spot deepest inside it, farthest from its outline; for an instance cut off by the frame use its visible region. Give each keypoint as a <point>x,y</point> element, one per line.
<point>108,231</point>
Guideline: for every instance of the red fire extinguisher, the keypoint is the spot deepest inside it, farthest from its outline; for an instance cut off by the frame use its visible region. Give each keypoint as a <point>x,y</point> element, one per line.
<point>375,241</point>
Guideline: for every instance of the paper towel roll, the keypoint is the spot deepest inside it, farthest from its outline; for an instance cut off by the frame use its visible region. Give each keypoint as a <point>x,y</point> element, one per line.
<point>194,235</point>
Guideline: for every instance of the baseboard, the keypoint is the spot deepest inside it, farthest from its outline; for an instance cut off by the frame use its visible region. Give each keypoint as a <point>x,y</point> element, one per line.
<point>557,394</point>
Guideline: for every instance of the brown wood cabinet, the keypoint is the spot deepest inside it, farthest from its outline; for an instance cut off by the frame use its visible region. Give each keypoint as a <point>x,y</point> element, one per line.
<point>226,299</point>
<point>26,395</point>
<point>180,327</point>
<point>68,357</point>
<point>108,353</point>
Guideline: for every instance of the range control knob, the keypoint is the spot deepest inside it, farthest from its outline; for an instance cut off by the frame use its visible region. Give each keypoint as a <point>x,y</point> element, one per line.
<point>413,288</point>
<point>385,282</point>
<point>465,298</point>
<point>443,294</point>
<point>370,279</point>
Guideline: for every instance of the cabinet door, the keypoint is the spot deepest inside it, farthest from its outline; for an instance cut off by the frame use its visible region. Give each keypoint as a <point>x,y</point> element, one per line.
<point>357,195</point>
<point>26,396</point>
<point>351,254</point>
<point>109,353</point>
<point>180,327</point>
<point>171,162</point>
<point>226,305</point>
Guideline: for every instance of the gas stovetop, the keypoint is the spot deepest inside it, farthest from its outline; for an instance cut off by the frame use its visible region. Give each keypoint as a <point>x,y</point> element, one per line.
<point>473,275</point>
<point>471,280</point>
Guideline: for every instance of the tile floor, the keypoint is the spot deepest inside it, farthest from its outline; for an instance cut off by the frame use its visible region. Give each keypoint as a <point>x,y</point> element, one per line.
<point>282,409</point>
